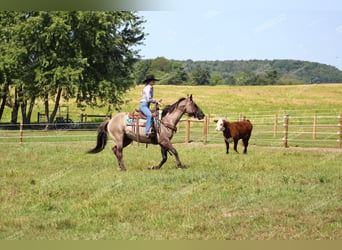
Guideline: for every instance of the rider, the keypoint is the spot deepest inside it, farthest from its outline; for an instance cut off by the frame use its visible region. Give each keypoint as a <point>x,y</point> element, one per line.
<point>147,98</point>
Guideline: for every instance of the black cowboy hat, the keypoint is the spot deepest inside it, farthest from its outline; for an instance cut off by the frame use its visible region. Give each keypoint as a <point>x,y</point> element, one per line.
<point>150,78</point>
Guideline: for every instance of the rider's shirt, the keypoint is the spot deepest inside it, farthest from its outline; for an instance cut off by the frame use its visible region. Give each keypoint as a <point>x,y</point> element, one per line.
<point>147,94</point>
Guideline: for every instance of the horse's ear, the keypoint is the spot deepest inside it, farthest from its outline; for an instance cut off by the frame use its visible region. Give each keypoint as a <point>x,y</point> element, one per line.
<point>190,97</point>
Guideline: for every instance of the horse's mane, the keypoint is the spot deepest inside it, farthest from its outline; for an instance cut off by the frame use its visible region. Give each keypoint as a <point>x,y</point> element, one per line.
<point>171,108</point>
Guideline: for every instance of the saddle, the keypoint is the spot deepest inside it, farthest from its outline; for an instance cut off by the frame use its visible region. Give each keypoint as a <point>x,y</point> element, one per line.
<point>137,114</point>
<point>137,119</point>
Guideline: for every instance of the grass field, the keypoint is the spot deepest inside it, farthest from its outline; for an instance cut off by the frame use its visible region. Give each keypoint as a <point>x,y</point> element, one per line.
<point>228,100</point>
<point>53,190</point>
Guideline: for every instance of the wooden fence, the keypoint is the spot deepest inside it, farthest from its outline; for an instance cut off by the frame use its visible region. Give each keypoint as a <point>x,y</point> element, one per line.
<point>322,131</point>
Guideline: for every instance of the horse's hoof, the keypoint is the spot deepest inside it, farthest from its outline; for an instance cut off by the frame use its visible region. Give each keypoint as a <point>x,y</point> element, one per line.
<point>151,168</point>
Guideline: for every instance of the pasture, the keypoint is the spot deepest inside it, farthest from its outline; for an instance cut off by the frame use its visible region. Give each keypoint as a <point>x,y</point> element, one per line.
<point>53,190</point>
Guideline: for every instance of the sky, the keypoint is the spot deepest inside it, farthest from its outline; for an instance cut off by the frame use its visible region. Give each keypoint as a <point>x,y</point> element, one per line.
<point>245,29</point>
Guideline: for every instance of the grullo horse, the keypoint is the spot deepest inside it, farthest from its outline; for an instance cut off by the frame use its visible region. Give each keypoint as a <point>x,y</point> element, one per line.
<point>123,135</point>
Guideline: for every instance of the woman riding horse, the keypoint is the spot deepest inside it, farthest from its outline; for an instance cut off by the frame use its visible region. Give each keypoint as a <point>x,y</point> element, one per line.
<point>146,100</point>
<point>123,134</point>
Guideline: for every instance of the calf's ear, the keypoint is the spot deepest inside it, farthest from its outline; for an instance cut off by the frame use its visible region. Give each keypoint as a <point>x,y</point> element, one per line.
<point>215,120</point>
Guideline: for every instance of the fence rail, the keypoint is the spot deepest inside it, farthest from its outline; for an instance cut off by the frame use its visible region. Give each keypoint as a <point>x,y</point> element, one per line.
<point>268,130</point>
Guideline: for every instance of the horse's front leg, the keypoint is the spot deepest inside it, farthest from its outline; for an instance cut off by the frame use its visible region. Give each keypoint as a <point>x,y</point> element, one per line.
<point>175,153</point>
<point>164,158</point>
<point>164,150</point>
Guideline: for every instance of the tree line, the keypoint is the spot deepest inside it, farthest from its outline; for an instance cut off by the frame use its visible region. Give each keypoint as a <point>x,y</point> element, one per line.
<point>50,55</point>
<point>237,72</point>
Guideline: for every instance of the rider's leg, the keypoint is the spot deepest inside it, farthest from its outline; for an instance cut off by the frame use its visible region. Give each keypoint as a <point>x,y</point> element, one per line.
<point>146,110</point>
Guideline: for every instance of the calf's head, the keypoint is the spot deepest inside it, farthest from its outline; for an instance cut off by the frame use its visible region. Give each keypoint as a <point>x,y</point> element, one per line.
<point>219,125</point>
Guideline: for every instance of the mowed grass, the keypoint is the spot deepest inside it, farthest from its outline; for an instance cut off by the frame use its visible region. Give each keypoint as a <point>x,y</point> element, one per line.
<point>56,191</point>
<point>232,100</point>
<point>51,189</point>
<point>222,100</point>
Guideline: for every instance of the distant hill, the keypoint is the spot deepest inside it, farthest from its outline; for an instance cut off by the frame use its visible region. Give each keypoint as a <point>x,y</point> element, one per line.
<point>296,70</point>
<point>237,72</point>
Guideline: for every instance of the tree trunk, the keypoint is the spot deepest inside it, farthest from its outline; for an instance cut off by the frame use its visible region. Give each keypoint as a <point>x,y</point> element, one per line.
<point>15,108</point>
<point>31,106</point>
<point>4,98</point>
<point>55,109</point>
<point>23,112</point>
<point>46,109</point>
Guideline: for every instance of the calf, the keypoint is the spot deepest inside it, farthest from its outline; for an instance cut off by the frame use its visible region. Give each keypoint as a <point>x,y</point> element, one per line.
<point>236,131</point>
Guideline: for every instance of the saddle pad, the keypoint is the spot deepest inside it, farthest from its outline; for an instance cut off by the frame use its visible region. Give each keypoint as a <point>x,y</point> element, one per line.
<point>133,122</point>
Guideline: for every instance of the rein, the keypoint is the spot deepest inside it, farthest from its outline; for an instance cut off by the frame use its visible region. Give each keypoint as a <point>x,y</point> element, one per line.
<point>172,126</point>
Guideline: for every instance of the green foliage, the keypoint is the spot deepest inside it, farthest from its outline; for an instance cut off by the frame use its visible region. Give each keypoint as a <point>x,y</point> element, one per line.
<point>201,76</point>
<point>53,54</point>
<point>250,72</point>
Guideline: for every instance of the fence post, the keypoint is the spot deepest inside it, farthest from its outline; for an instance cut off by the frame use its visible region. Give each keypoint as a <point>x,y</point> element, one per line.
<point>286,130</point>
<point>187,130</point>
<point>340,131</point>
<point>314,127</point>
<point>275,126</point>
<point>205,130</point>
<point>21,133</point>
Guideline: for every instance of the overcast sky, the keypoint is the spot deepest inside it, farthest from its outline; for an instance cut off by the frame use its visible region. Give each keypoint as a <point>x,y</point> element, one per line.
<point>245,29</point>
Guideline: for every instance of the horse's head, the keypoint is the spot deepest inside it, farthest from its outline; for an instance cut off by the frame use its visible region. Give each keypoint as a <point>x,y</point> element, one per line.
<point>192,109</point>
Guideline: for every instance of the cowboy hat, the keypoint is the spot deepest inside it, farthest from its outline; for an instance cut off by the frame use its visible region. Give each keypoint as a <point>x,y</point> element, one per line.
<point>150,78</point>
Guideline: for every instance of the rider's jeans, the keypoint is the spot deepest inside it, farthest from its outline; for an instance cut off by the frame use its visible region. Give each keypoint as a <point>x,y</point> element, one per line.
<point>144,107</point>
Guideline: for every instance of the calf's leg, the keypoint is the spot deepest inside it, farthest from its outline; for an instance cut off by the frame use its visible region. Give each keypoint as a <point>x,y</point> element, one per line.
<point>235,145</point>
<point>245,144</point>
<point>227,145</point>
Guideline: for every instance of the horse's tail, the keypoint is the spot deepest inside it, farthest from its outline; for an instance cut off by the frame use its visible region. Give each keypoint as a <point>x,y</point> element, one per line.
<point>101,138</point>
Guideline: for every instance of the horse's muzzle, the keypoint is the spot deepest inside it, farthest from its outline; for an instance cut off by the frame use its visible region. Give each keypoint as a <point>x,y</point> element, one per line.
<point>199,115</point>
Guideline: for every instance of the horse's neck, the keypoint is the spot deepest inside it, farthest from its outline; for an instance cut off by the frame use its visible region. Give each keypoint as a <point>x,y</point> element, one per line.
<point>173,117</point>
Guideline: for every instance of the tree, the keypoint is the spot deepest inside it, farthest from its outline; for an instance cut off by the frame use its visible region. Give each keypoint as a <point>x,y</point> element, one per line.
<point>271,76</point>
<point>177,76</point>
<point>141,69</point>
<point>201,76</point>
<point>60,54</point>
<point>106,40</point>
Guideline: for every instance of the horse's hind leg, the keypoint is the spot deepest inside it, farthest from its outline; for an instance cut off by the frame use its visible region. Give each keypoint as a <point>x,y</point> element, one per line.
<point>118,153</point>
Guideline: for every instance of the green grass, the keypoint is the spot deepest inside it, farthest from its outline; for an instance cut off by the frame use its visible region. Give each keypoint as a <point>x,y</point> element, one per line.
<point>55,191</point>
<point>227,100</point>
<point>51,189</point>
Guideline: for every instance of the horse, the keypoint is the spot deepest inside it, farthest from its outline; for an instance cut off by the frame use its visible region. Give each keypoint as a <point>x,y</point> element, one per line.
<point>236,131</point>
<point>123,135</point>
